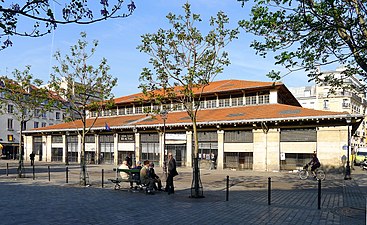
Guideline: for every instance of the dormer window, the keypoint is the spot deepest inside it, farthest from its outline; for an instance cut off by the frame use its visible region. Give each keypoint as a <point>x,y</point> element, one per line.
<point>211,103</point>
<point>237,101</point>
<point>202,104</point>
<point>138,110</point>
<point>129,110</point>
<point>224,102</point>
<point>251,100</point>
<point>122,111</point>
<point>264,99</point>
<point>177,107</point>
<point>147,109</point>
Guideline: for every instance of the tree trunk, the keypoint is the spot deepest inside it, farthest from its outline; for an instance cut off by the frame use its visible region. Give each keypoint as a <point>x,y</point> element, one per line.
<point>83,173</point>
<point>21,172</point>
<point>196,187</point>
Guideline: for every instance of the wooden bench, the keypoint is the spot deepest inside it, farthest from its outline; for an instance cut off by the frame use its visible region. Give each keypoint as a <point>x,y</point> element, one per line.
<point>133,177</point>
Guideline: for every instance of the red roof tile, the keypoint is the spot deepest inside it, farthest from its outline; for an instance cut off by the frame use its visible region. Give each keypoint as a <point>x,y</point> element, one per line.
<point>242,113</point>
<point>213,87</point>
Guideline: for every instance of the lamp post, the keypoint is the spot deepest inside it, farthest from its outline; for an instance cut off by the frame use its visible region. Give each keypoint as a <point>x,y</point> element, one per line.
<point>164,115</point>
<point>347,170</point>
<point>135,131</point>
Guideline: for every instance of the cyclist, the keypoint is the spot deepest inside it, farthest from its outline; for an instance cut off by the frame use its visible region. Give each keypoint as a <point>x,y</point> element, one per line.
<point>314,163</point>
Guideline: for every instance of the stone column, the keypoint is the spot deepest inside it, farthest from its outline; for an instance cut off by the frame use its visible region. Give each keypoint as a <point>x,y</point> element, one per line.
<point>64,148</point>
<point>48,148</point>
<point>28,146</point>
<point>98,149</point>
<point>115,148</point>
<point>161,148</point>
<point>189,148</point>
<point>137,147</point>
<point>266,150</point>
<point>80,148</point>
<point>220,156</point>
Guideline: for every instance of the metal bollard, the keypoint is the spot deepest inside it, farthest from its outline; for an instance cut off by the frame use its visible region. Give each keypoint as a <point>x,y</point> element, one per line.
<point>319,195</point>
<point>102,177</point>
<point>49,173</point>
<point>67,175</point>
<point>269,191</point>
<point>227,191</point>
<point>7,169</point>
<point>33,172</point>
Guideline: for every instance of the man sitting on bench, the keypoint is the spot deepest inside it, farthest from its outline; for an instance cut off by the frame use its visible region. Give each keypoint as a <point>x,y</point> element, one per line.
<point>145,179</point>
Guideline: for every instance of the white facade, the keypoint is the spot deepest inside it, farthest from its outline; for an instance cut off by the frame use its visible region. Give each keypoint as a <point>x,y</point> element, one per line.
<point>325,97</point>
<point>9,134</point>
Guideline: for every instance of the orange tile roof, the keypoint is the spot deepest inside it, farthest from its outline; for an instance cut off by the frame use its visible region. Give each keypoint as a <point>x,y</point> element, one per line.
<point>213,87</point>
<point>254,113</point>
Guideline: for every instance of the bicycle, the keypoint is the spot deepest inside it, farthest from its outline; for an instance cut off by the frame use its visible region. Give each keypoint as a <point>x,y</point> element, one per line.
<point>305,173</point>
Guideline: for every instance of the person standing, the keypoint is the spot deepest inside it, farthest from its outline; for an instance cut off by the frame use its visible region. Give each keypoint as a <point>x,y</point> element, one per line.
<point>129,160</point>
<point>31,156</point>
<point>213,161</point>
<point>172,172</point>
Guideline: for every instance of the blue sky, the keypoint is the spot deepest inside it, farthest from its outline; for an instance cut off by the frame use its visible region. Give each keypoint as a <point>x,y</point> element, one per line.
<point>119,38</point>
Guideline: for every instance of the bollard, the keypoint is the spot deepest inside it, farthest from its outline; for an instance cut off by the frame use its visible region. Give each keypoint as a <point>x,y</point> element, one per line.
<point>227,192</point>
<point>7,169</point>
<point>102,177</point>
<point>49,173</point>
<point>319,195</point>
<point>33,171</point>
<point>269,190</point>
<point>67,175</point>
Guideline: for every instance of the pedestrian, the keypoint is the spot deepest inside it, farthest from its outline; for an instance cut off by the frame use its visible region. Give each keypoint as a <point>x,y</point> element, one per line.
<point>172,172</point>
<point>213,162</point>
<point>129,160</point>
<point>31,156</point>
<point>155,177</point>
<point>165,167</point>
<point>145,179</point>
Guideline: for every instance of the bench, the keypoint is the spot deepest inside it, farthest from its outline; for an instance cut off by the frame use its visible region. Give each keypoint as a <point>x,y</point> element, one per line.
<point>134,177</point>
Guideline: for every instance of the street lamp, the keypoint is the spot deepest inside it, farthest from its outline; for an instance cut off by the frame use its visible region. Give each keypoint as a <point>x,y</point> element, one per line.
<point>135,131</point>
<point>164,115</point>
<point>347,170</point>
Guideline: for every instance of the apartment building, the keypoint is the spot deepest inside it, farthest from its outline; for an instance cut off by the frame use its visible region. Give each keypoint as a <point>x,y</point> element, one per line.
<point>9,134</point>
<point>325,97</point>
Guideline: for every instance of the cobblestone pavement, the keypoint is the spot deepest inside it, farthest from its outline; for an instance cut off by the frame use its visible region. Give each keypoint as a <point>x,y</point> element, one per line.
<point>36,200</point>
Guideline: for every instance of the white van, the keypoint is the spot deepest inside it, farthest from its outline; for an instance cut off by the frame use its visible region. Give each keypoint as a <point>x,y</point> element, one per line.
<point>361,155</point>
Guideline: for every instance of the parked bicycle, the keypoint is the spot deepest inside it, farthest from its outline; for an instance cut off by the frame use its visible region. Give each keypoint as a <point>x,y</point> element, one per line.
<point>305,173</point>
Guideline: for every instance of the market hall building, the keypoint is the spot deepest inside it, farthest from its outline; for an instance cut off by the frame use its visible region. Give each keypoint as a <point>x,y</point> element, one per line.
<point>245,124</point>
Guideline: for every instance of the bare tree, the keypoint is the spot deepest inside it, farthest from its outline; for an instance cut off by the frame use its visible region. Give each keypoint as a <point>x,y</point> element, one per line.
<point>84,87</point>
<point>185,62</point>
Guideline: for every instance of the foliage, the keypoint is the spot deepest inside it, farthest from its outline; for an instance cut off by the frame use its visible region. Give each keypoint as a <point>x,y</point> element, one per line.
<point>46,16</point>
<point>85,87</point>
<point>306,34</point>
<point>25,94</point>
<point>185,61</point>
<point>25,99</point>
